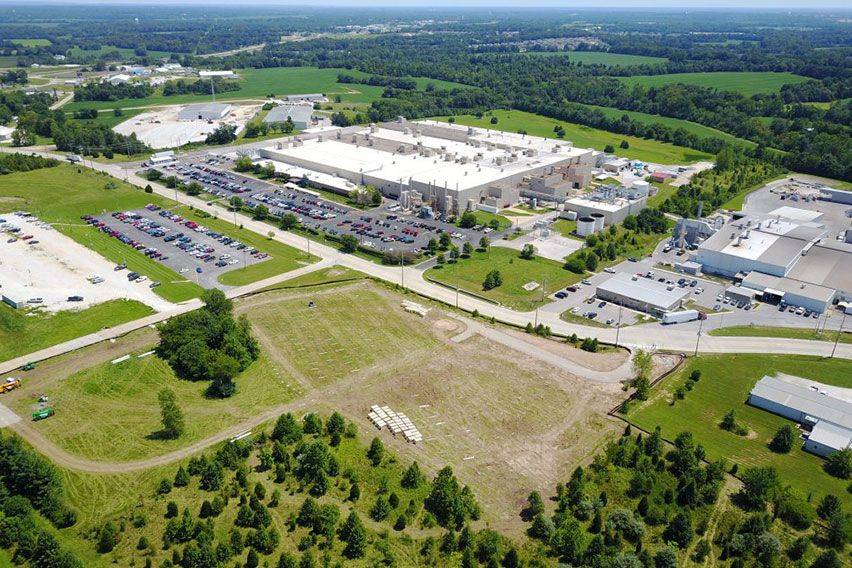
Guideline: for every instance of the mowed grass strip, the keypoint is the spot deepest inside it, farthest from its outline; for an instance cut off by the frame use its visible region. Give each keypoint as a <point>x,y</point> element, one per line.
<point>60,195</point>
<point>469,274</point>
<point>350,330</point>
<point>585,136</point>
<point>725,384</point>
<point>21,333</point>
<point>278,81</point>
<point>782,332</point>
<point>746,83</point>
<point>110,411</point>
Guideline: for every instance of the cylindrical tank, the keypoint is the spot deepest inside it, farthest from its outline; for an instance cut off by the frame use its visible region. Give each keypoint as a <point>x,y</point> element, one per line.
<point>585,226</point>
<point>598,218</point>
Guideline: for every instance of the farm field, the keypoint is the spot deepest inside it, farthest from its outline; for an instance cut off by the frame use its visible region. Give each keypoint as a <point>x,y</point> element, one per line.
<point>724,385</point>
<point>21,334</point>
<point>600,57</point>
<point>469,273</point>
<point>260,83</point>
<point>692,127</point>
<point>586,137</point>
<point>746,83</point>
<point>94,54</point>
<point>782,332</point>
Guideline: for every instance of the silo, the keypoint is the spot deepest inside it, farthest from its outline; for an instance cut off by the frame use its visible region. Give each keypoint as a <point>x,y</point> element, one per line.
<point>585,226</point>
<point>598,218</point>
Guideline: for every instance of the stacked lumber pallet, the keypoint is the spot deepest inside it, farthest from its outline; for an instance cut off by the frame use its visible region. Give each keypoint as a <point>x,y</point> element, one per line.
<point>396,422</point>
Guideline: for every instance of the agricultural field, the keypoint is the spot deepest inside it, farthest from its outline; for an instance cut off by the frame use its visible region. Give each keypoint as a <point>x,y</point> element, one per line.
<point>31,42</point>
<point>586,137</point>
<point>746,83</point>
<point>22,333</point>
<point>126,53</point>
<point>691,127</point>
<point>601,57</point>
<point>781,332</point>
<point>724,385</point>
<point>469,274</point>
<point>261,83</point>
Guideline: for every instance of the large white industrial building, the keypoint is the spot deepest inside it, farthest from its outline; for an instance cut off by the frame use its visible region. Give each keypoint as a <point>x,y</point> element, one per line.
<point>300,114</point>
<point>813,405</point>
<point>643,294</point>
<point>788,255</point>
<point>453,168</point>
<point>204,111</point>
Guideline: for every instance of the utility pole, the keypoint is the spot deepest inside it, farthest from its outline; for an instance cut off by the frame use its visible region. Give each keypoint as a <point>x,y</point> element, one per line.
<point>839,332</point>
<point>698,335</point>
<point>618,325</point>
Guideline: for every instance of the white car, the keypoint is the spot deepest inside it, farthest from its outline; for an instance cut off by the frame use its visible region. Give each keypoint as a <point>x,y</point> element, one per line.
<point>609,269</point>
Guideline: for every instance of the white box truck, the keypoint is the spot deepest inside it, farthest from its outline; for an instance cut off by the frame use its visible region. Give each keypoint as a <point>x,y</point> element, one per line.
<point>681,317</point>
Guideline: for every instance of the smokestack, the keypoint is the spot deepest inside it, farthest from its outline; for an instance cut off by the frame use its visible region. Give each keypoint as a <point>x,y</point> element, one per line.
<point>700,209</point>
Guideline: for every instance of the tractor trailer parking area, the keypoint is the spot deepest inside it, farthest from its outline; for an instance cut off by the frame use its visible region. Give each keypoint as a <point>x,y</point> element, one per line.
<point>186,246</point>
<point>42,268</point>
<point>382,229</point>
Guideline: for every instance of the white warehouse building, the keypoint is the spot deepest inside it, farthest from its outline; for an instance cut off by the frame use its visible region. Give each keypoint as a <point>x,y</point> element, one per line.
<point>204,111</point>
<point>813,405</point>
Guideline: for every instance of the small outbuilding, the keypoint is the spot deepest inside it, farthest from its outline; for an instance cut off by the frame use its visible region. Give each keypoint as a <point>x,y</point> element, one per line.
<point>643,294</point>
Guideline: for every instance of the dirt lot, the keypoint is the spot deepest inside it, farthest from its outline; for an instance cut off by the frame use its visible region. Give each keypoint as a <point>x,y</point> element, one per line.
<point>58,267</point>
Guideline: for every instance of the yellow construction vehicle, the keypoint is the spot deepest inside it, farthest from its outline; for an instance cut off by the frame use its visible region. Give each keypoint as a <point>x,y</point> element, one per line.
<point>11,383</point>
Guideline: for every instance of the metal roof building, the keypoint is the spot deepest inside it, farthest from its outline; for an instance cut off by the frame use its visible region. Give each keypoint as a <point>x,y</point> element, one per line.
<point>301,115</point>
<point>204,111</point>
<point>792,292</point>
<point>811,404</point>
<point>642,294</point>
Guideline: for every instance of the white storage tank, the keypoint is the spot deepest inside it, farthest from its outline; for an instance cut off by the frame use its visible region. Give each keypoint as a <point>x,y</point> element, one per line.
<point>641,188</point>
<point>598,218</point>
<point>585,226</point>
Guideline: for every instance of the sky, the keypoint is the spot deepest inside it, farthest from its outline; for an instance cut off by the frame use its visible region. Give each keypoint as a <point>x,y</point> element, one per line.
<point>579,4</point>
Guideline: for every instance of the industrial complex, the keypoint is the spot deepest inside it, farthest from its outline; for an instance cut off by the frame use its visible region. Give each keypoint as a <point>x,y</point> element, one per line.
<point>447,167</point>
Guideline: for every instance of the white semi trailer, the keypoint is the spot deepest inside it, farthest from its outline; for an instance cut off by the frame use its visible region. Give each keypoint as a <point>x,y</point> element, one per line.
<point>681,316</point>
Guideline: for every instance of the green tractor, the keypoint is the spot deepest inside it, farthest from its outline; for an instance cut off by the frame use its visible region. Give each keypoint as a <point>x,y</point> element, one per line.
<point>29,366</point>
<point>43,413</point>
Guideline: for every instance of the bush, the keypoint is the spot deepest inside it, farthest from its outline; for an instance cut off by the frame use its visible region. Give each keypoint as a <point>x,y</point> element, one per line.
<point>839,464</point>
<point>783,440</point>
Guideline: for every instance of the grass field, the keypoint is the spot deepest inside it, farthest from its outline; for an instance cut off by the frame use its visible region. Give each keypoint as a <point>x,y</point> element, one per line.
<point>736,202</point>
<point>664,191</point>
<point>782,332</point>
<point>318,344</point>
<point>565,227</point>
<point>278,81</point>
<point>21,334</point>
<point>31,42</point>
<point>725,383</point>
<point>484,218</point>
<point>111,412</point>
<point>692,127</point>
<point>600,57</point>
<point>746,83</point>
<point>108,118</point>
<point>586,137</point>
<point>93,54</point>
<point>469,273</point>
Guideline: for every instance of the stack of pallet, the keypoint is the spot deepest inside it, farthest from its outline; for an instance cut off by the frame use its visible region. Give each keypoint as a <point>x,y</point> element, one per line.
<point>415,308</point>
<point>396,422</point>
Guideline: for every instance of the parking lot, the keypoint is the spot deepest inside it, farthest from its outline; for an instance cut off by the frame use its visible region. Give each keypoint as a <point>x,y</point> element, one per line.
<point>185,246</point>
<point>382,229</point>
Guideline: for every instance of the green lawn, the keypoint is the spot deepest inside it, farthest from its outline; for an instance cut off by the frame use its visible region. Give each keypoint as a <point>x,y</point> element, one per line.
<point>21,334</point>
<point>469,273</point>
<point>108,118</point>
<point>31,42</point>
<point>747,83</point>
<point>278,81</point>
<point>586,137</point>
<point>691,127</point>
<point>784,332</point>
<point>725,383</point>
<point>565,227</point>
<point>601,57</point>
<point>62,194</point>
<point>664,191</point>
<point>485,218</point>
<point>111,412</point>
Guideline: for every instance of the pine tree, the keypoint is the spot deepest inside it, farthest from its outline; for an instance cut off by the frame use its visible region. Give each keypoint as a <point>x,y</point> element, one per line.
<point>355,537</point>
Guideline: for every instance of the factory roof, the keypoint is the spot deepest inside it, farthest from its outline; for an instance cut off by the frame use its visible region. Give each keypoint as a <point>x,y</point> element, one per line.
<point>795,214</point>
<point>760,281</point>
<point>651,292</point>
<point>615,204</point>
<point>327,180</point>
<point>297,113</point>
<point>192,111</point>
<point>809,400</point>
<point>826,264</point>
<point>830,435</point>
<point>771,241</point>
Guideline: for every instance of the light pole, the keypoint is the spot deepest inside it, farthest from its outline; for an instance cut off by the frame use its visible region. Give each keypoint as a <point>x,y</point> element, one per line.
<point>698,335</point>
<point>618,325</point>
<point>837,337</point>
